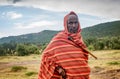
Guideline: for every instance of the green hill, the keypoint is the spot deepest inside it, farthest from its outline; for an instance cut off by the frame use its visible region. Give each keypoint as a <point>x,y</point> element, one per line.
<point>40,37</point>
<point>108,29</point>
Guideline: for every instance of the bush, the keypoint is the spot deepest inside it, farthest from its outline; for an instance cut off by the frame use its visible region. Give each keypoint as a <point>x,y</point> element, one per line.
<point>17,68</point>
<point>114,63</point>
<point>21,50</point>
<point>32,49</point>
<point>91,47</point>
<point>30,73</point>
<point>2,52</point>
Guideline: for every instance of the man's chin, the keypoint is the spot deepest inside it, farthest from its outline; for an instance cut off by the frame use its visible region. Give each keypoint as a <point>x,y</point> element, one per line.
<point>75,31</point>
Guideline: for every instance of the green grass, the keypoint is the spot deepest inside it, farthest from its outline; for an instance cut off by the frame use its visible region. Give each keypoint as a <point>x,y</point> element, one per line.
<point>114,63</point>
<point>18,68</point>
<point>31,73</point>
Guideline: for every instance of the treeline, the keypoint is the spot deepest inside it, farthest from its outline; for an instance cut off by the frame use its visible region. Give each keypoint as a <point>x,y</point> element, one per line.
<point>103,43</point>
<point>20,49</point>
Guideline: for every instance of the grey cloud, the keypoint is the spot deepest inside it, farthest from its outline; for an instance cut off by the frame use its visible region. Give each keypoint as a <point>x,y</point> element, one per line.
<point>14,1</point>
<point>103,8</point>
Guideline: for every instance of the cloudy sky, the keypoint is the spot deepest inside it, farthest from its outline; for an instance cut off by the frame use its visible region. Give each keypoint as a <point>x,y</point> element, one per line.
<point>31,16</point>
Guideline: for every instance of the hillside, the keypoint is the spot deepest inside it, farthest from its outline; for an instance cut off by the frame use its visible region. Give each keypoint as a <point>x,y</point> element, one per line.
<point>40,37</point>
<point>108,29</point>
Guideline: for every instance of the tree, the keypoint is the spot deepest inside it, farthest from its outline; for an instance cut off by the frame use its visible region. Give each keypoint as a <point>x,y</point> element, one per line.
<point>33,49</point>
<point>2,52</point>
<point>21,50</point>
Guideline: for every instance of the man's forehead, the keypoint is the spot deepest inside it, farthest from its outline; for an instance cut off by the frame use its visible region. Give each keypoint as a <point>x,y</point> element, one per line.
<point>72,16</point>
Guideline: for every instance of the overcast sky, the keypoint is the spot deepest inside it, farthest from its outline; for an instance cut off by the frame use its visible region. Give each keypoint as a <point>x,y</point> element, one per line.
<point>31,16</point>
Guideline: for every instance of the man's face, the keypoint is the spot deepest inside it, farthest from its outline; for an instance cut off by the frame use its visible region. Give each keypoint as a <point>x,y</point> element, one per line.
<point>72,24</point>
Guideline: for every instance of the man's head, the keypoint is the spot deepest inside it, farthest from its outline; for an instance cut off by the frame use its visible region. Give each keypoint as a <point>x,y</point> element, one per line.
<point>72,23</point>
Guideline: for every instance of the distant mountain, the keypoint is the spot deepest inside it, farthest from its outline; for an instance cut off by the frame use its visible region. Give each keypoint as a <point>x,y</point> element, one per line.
<point>40,37</point>
<point>108,29</point>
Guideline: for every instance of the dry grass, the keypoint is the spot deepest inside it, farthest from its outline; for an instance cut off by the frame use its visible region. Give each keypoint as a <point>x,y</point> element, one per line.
<point>100,68</point>
<point>19,58</point>
<point>107,65</point>
<point>8,62</point>
<point>104,57</point>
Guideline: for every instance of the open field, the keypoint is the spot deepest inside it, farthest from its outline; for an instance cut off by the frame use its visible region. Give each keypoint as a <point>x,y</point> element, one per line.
<point>107,66</point>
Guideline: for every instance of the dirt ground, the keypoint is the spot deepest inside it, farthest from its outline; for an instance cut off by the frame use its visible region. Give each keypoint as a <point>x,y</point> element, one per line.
<point>101,73</point>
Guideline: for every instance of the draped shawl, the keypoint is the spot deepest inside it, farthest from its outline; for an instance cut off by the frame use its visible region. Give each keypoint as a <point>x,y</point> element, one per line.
<point>65,53</point>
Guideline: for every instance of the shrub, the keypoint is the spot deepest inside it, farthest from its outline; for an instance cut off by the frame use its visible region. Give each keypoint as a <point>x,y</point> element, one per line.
<point>30,73</point>
<point>113,63</point>
<point>21,50</point>
<point>91,47</point>
<point>17,68</point>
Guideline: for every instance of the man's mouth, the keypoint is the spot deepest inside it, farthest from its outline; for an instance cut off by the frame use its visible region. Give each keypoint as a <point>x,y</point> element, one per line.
<point>73,30</point>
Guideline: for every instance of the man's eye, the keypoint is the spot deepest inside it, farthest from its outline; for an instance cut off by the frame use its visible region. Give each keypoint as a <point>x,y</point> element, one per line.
<point>76,22</point>
<point>70,23</point>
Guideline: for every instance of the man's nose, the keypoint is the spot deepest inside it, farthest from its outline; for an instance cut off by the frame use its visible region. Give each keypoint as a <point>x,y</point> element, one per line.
<point>74,25</point>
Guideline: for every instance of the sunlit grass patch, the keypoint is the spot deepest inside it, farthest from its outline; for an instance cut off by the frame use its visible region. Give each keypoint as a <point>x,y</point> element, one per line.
<point>112,54</point>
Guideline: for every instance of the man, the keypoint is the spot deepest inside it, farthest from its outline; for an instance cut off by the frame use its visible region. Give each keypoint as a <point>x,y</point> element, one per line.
<point>64,57</point>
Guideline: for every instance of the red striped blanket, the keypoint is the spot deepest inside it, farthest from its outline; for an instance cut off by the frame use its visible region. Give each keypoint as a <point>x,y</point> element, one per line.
<point>63,52</point>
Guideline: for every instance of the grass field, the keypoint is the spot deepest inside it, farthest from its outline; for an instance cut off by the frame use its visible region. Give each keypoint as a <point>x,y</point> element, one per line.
<point>107,66</point>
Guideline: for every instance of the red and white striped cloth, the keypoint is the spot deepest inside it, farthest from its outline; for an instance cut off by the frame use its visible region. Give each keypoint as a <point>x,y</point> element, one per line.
<point>63,52</point>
